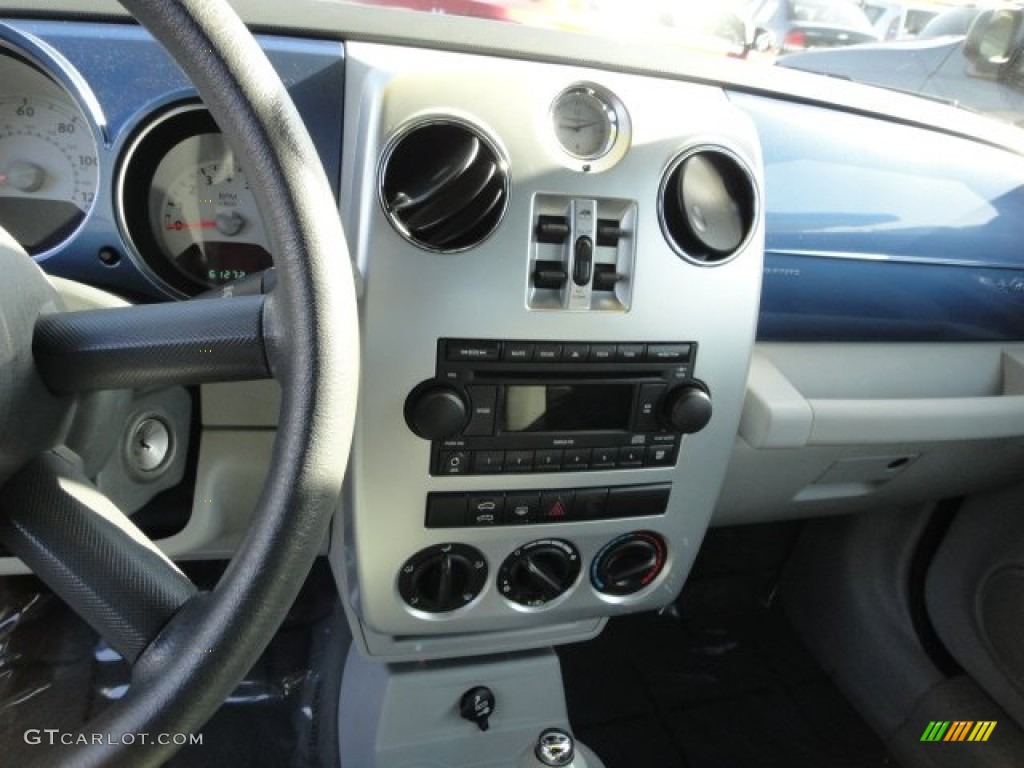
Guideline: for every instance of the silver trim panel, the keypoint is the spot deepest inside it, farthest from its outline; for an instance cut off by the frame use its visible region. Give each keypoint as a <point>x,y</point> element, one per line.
<point>412,298</point>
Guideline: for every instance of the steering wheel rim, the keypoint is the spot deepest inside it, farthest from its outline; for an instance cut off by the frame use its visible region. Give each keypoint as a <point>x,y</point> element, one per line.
<point>311,341</point>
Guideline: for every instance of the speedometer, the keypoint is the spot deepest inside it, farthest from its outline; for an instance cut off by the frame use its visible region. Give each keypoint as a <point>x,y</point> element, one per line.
<point>49,170</point>
<point>187,207</point>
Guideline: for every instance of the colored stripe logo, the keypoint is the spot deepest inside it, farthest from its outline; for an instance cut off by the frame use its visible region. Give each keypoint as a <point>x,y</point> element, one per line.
<point>958,730</point>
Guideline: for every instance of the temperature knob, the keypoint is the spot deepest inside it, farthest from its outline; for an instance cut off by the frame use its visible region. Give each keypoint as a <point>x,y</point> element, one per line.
<point>628,564</point>
<point>435,410</point>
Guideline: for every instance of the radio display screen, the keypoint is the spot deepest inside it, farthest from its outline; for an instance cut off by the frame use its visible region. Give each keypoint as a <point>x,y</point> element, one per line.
<point>566,408</point>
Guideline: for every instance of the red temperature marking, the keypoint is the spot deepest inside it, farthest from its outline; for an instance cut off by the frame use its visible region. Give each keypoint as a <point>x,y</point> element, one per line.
<point>179,225</point>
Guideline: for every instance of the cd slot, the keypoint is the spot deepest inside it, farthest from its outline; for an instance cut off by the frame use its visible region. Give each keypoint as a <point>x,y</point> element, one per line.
<point>552,373</point>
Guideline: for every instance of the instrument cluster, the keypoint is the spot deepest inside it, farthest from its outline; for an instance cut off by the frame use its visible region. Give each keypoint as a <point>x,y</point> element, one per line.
<point>113,172</point>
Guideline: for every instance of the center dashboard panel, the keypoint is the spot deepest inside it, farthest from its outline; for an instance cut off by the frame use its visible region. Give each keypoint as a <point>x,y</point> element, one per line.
<point>559,272</point>
<point>560,278</point>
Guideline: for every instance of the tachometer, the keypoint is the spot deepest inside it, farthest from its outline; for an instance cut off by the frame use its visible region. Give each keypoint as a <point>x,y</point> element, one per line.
<point>49,170</point>
<point>204,213</point>
<point>187,206</point>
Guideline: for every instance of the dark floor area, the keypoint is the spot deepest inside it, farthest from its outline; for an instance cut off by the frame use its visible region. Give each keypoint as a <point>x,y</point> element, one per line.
<point>718,680</point>
<point>56,673</point>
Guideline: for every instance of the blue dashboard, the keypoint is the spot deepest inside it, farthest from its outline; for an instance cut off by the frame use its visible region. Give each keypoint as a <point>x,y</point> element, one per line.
<point>124,83</point>
<point>917,238</point>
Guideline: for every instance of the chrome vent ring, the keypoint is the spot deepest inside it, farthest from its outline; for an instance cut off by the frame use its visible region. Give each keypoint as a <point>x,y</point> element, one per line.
<point>444,185</point>
<point>708,205</point>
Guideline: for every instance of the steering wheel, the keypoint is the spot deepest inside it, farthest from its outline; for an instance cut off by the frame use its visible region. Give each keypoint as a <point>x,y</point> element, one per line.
<point>187,649</point>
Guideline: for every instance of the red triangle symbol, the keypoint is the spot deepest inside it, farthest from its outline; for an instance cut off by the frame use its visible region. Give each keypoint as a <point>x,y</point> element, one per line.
<point>556,510</point>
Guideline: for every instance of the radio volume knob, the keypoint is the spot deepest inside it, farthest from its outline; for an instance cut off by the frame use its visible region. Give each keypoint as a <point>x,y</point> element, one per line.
<point>687,408</point>
<point>436,411</point>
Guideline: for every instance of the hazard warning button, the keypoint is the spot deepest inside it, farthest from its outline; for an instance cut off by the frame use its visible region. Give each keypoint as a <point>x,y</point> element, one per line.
<point>556,506</point>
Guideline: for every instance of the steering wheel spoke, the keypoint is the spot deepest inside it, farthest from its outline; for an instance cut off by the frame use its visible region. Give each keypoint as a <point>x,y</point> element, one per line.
<point>154,345</point>
<point>89,553</point>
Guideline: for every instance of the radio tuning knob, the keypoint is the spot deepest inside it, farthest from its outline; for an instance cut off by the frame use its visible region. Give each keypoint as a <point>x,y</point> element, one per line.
<point>435,411</point>
<point>687,408</point>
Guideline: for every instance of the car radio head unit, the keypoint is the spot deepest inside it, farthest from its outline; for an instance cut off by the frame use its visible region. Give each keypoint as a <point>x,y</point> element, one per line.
<point>527,406</point>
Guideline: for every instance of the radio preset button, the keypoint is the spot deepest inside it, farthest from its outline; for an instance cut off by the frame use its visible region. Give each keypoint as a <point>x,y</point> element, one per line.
<point>604,458</point>
<point>660,456</point>
<point>630,353</point>
<point>550,353</point>
<point>460,350</point>
<point>481,420</point>
<point>486,509</point>
<point>522,508</point>
<point>517,352</point>
<point>488,462</point>
<point>575,353</point>
<point>631,456</point>
<point>453,463</point>
<point>576,458</point>
<point>548,460</point>
<point>518,461</point>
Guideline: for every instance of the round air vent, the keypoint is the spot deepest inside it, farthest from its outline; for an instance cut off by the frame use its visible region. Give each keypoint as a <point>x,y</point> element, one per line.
<point>708,205</point>
<point>444,185</point>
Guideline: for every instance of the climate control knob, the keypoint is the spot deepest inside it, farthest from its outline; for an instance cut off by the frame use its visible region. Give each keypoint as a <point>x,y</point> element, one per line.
<point>435,410</point>
<point>628,564</point>
<point>442,578</point>
<point>687,408</point>
<point>538,572</point>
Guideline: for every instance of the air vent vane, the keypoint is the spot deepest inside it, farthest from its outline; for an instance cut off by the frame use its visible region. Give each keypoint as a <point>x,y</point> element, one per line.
<point>444,185</point>
<point>707,206</point>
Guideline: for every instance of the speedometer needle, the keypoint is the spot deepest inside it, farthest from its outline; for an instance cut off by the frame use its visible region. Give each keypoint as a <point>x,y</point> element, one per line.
<point>179,225</point>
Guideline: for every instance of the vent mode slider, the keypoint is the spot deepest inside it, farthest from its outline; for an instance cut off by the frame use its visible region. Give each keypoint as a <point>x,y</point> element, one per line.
<point>444,185</point>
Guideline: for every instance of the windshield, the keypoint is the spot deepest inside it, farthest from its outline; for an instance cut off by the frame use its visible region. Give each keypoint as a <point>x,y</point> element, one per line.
<point>828,12</point>
<point>961,53</point>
